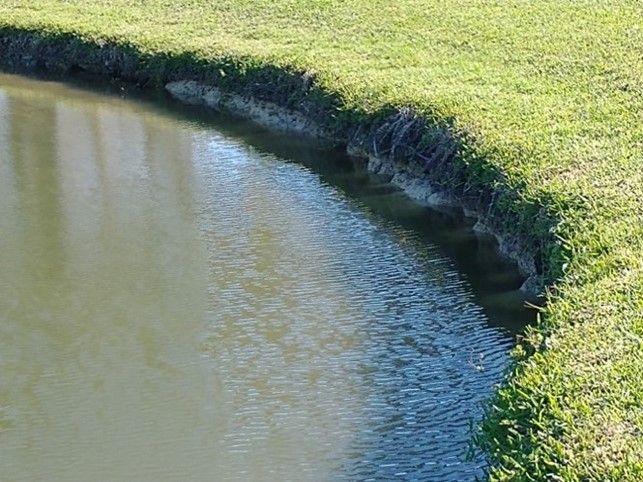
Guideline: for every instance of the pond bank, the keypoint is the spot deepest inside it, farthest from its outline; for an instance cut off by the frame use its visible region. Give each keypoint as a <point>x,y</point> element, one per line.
<point>415,156</point>
<point>412,172</point>
<point>532,145</point>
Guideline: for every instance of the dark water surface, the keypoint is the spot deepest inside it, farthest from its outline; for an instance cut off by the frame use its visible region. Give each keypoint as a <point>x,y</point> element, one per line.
<point>186,297</point>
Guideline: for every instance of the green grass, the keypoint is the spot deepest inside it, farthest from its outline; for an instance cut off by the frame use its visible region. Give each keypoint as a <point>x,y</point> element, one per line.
<point>549,93</point>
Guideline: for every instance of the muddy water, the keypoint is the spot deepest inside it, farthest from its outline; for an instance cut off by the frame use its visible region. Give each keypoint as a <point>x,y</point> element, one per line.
<point>189,298</point>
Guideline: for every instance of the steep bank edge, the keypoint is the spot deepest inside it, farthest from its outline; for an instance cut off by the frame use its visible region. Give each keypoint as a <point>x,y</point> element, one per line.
<point>409,173</point>
<point>426,158</point>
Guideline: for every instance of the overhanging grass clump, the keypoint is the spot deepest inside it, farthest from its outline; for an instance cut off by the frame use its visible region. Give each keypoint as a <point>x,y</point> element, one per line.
<point>546,102</point>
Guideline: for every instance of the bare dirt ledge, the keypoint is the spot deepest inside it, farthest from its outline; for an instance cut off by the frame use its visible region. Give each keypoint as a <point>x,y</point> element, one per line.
<point>411,177</point>
<point>418,156</point>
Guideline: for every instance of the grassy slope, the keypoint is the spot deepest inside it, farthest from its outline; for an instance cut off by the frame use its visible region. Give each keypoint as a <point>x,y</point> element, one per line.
<point>552,93</point>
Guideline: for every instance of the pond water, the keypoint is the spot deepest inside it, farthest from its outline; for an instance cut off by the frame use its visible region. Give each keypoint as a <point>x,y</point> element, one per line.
<point>184,296</point>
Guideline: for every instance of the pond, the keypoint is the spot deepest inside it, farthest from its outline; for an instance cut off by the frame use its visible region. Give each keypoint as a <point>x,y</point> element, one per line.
<point>184,296</point>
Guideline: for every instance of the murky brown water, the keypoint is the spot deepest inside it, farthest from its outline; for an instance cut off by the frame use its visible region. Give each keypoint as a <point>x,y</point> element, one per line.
<point>180,301</point>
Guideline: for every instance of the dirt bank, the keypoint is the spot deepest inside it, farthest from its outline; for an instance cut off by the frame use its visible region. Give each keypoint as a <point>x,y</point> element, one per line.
<point>418,157</point>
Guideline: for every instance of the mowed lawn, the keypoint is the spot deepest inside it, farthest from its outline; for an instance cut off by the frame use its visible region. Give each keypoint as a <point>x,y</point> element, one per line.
<point>549,93</point>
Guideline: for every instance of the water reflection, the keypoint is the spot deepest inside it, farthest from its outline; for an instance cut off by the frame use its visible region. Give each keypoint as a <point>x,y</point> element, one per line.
<point>179,305</point>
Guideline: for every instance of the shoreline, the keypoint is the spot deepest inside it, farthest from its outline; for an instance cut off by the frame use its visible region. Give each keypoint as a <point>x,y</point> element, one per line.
<point>411,177</point>
<point>426,157</point>
<point>393,145</point>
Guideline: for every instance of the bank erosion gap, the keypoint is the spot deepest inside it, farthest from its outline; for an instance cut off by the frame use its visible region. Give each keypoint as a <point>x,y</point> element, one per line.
<point>530,114</point>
